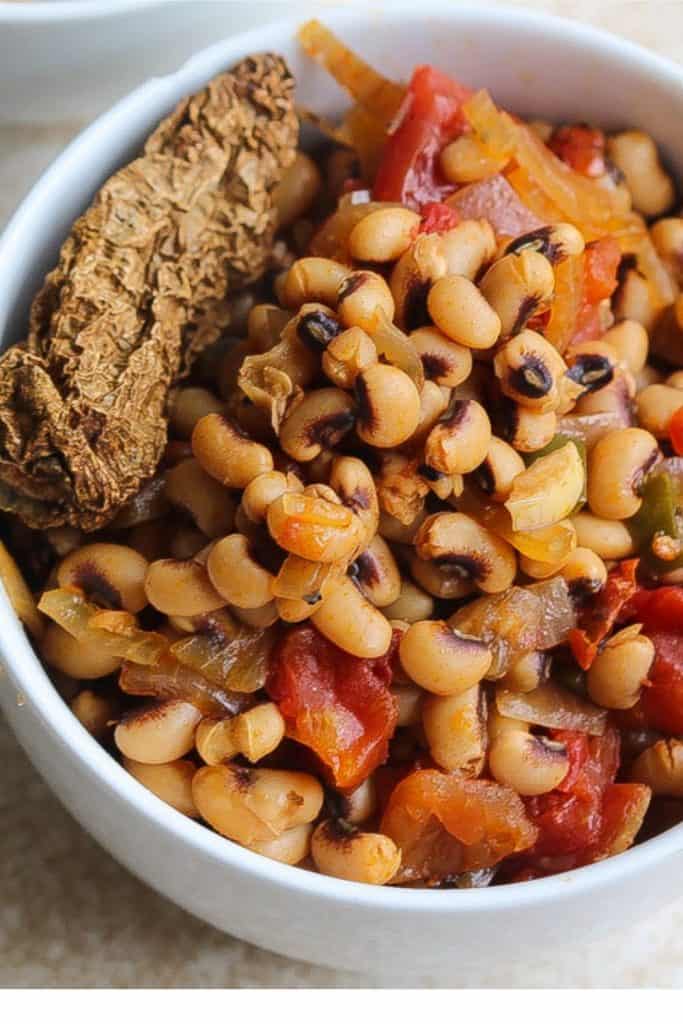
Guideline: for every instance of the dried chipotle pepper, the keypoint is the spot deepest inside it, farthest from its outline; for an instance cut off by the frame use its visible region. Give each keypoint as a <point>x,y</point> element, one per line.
<point>142,284</point>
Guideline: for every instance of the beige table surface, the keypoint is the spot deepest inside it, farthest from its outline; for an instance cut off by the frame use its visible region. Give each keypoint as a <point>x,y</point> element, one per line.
<point>71,917</point>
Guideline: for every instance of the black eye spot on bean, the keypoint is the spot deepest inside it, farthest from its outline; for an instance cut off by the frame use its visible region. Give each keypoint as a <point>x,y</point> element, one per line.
<point>533,380</point>
<point>434,366</point>
<point>352,283</point>
<point>96,586</point>
<point>365,569</point>
<point>465,567</point>
<point>539,241</point>
<point>415,312</point>
<point>317,329</point>
<point>581,589</point>
<point>527,308</point>
<point>428,473</point>
<point>508,417</point>
<point>366,414</point>
<point>591,371</point>
<point>329,430</point>
<point>485,479</point>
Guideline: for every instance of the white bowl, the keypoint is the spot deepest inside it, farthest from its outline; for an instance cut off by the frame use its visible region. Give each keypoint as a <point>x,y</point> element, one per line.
<point>534,65</point>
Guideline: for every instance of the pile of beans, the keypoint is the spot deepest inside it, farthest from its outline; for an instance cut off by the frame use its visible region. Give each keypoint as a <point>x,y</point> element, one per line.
<point>329,467</point>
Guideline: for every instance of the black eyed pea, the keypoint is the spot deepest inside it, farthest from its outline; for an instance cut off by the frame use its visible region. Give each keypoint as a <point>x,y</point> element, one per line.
<point>158,733</point>
<point>529,764</point>
<point>181,588</point>
<point>442,580</point>
<point>455,729</point>
<point>667,235</point>
<point>96,712</point>
<point>554,241</point>
<point>630,343</point>
<point>353,482</point>
<point>109,574</point>
<point>497,472</point>
<point>459,544</point>
<point>615,397</point>
<point>227,454</point>
<point>527,430</point>
<point>317,326</point>
<point>398,532</point>
<point>350,621</point>
<point>518,286</point>
<point>347,355</point>
<point>376,573</point>
<point>651,188</point>
<point>529,369</point>
<point>254,734</point>
<point>265,325</point>
<point>462,313</point>
<point>301,586</point>
<point>617,464</point>
<point>434,400</point>
<point>444,361</point>
<point>236,575</point>
<point>656,405</point>
<point>264,489</point>
<point>342,851</point>
<point>320,420</point>
<point>252,805</point>
<point>388,406</point>
<point>189,487</point>
<point>290,847</point>
<point>466,160</point>
<point>661,768</point>
<point>592,365</point>
<point>357,806</point>
<point>616,676</point>
<point>297,189</point>
<point>315,528</point>
<point>460,442</point>
<point>411,605</point>
<point>632,299</point>
<point>171,782</point>
<point>463,250</point>
<point>441,660</point>
<point>258,618</point>
<point>410,700</point>
<point>186,408</point>
<point>361,296</point>
<point>607,538</point>
<point>79,659</point>
<point>527,672</point>
<point>585,573</point>
<point>312,279</point>
<point>383,235</point>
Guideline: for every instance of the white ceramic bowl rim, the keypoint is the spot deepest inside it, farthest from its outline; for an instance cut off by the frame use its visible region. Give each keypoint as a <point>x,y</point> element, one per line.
<point>32,684</point>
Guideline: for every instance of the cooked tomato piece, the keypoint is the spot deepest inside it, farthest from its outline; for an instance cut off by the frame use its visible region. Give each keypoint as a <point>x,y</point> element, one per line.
<point>570,818</point>
<point>438,217</point>
<point>598,617</point>
<point>576,744</point>
<point>338,705</point>
<point>430,116</point>
<point>445,825</point>
<point>676,432</point>
<point>601,262</point>
<point>624,806</point>
<point>661,613</point>
<point>580,146</point>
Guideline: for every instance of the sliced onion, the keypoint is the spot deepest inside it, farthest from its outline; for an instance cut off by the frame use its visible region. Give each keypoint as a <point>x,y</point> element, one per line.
<point>169,680</point>
<point>558,614</point>
<point>238,663</point>
<point>393,344</point>
<point>117,632</point>
<point>591,427</point>
<point>509,623</point>
<point>567,302</point>
<point>552,707</point>
<point>379,95</point>
<point>549,544</point>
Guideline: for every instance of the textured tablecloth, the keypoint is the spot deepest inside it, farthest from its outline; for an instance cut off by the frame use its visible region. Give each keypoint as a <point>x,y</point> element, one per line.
<point>71,917</point>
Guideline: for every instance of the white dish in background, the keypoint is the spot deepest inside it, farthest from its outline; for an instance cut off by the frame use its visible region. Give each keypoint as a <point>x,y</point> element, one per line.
<point>69,61</point>
<point>576,73</point>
